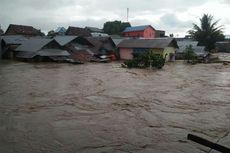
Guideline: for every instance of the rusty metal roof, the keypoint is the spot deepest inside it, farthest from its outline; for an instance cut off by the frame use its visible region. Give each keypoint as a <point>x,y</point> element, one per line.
<point>76,31</point>
<point>14,29</point>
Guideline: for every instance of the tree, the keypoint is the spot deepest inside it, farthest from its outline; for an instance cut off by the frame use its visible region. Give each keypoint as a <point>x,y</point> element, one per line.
<point>115,27</point>
<point>208,33</point>
<point>189,54</point>
<point>51,33</point>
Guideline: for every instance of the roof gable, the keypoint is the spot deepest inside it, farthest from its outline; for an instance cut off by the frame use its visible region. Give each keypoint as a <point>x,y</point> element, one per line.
<point>137,28</point>
<point>63,40</point>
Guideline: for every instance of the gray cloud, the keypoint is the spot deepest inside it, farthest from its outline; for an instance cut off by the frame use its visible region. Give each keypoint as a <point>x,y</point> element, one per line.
<point>49,14</point>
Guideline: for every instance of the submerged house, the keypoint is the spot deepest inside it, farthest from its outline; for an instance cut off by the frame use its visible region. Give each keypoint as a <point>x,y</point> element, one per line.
<point>41,49</point>
<point>164,46</point>
<point>145,31</point>
<point>199,51</point>
<point>102,45</point>
<point>223,46</point>
<point>8,44</point>
<point>76,31</point>
<point>24,30</point>
<point>182,46</point>
<point>78,47</point>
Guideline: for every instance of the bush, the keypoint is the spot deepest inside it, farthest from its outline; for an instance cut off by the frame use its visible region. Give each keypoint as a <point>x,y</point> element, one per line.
<point>189,54</point>
<point>145,60</point>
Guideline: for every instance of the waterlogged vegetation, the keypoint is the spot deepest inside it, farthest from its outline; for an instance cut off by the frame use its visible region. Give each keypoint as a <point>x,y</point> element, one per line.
<point>146,60</point>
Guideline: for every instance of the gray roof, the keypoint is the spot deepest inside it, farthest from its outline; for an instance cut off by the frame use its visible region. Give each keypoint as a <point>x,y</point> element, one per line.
<point>52,52</point>
<point>26,54</point>
<point>14,39</point>
<point>43,52</point>
<point>117,40</point>
<point>63,40</point>
<point>183,44</point>
<point>33,44</point>
<point>148,43</point>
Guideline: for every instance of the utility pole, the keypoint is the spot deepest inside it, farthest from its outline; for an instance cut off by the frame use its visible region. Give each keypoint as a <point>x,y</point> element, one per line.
<point>127,14</point>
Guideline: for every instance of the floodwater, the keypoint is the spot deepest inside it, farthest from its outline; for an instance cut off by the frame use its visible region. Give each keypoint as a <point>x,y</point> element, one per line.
<point>100,108</point>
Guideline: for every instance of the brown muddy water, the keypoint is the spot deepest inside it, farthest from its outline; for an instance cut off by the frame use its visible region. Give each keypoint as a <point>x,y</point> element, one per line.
<point>100,108</point>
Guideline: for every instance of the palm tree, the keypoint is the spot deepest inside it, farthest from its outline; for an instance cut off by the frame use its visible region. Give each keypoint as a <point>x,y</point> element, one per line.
<point>208,33</point>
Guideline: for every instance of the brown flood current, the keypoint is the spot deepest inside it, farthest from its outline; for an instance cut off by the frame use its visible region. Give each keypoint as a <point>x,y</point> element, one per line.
<point>99,108</point>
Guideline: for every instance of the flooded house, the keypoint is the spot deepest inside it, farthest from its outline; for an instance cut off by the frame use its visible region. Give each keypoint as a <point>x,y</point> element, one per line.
<point>103,46</point>
<point>8,44</point>
<point>76,31</point>
<point>182,46</point>
<point>165,46</point>
<point>78,47</point>
<point>200,52</point>
<point>24,30</point>
<point>223,46</point>
<point>41,49</point>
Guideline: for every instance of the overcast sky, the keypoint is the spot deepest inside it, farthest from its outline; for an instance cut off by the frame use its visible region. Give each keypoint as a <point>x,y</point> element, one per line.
<point>173,16</point>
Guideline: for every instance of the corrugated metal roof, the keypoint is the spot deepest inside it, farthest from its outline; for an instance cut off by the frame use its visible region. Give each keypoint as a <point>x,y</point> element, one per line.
<point>183,44</point>
<point>13,39</point>
<point>33,44</point>
<point>148,43</point>
<point>52,52</point>
<point>63,40</point>
<point>136,28</point>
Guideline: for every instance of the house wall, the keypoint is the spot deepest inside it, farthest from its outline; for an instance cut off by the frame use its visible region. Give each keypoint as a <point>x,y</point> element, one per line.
<point>169,54</point>
<point>134,34</point>
<point>126,53</point>
<point>149,33</point>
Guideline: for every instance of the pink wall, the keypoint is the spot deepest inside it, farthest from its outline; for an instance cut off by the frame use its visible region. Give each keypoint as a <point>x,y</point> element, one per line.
<point>149,33</point>
<point>126,53</point>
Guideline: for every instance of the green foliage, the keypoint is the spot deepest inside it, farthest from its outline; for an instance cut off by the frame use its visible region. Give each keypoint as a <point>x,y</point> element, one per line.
<point>208,33</point>
<point>115,27</point>
<point>189,54</point>
<point>146,60</point>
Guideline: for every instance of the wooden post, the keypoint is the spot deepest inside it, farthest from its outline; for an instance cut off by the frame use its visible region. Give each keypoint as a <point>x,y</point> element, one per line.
<point>208,143</point>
